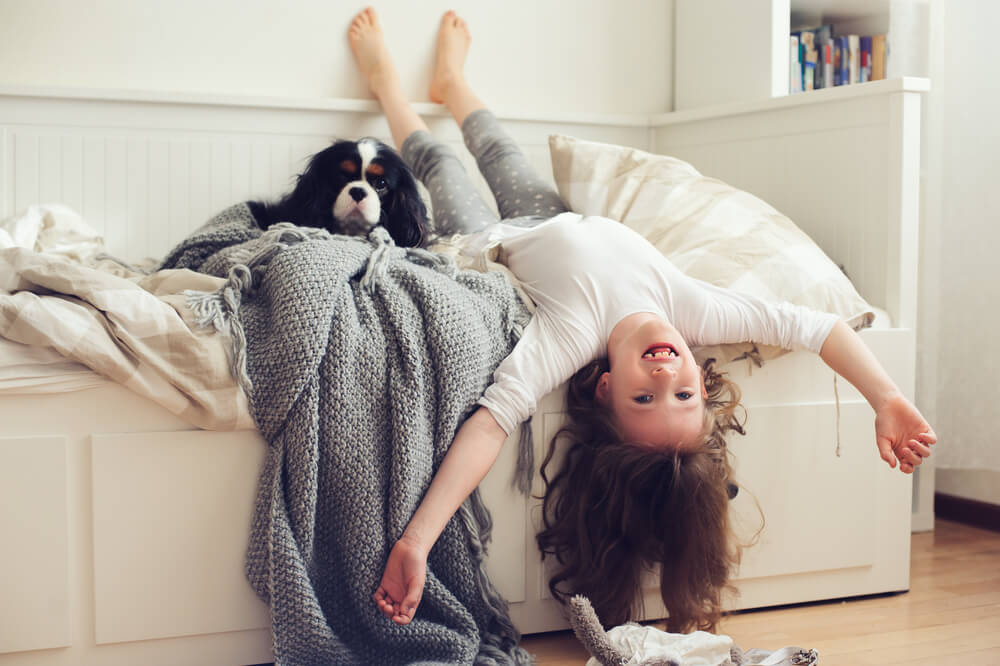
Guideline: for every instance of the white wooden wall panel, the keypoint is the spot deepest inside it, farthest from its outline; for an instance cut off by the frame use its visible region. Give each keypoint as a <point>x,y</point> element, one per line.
<point>171,515</point>
<point>145,187</point>
<point>34,578</point>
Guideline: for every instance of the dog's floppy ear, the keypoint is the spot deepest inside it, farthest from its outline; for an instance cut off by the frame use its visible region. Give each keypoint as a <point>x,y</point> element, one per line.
<point>404,213</point>
<point>303,197</point>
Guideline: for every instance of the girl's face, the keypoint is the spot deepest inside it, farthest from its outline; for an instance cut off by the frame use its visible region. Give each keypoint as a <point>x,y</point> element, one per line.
<point>655,387</point>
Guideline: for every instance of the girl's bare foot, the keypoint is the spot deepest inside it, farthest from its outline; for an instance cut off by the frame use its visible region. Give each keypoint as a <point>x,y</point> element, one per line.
<point>368,44</point>
<point>453,41</point>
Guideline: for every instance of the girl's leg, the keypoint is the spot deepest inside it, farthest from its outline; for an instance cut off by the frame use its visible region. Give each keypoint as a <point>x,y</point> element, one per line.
<point>368,44</point>
<point>457,206</point>
<point>517,188</point>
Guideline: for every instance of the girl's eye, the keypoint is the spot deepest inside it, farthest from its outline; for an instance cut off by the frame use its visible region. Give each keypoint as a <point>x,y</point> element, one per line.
<point>379,183</point>
<point>684,395</point>
<point>643,399</point>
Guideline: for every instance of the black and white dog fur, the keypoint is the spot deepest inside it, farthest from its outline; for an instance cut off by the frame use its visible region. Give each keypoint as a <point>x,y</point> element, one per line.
<point>349,188</point>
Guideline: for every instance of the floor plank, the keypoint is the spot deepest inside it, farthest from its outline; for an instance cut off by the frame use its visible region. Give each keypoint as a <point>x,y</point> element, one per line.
<point>951,615</point>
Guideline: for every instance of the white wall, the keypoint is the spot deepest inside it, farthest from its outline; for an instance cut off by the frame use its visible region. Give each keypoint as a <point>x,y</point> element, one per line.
<point>958,360</point>
<point>527,56</point>
<point>725,68</point>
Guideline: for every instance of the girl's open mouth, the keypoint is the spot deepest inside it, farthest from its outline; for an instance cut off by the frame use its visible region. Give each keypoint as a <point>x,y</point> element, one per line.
<point>660,350</point>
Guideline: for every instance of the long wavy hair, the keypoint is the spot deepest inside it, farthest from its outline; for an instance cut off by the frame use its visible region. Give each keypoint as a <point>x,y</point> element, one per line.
<point>614,510</point>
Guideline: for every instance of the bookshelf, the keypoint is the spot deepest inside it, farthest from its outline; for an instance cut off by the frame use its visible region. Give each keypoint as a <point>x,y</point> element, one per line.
<point>728,51</point>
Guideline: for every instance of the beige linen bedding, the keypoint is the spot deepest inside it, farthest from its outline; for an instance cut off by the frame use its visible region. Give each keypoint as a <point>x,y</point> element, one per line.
<point>132,328</point>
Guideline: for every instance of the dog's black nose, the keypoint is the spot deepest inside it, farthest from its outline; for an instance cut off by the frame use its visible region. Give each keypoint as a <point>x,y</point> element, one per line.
<point>357,193</point>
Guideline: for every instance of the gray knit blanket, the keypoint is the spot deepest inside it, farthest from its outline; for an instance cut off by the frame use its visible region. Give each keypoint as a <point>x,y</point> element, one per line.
<point>361,360</point>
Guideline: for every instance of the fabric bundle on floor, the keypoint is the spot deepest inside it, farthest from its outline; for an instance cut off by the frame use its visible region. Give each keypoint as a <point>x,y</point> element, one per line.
<point>361,361</point>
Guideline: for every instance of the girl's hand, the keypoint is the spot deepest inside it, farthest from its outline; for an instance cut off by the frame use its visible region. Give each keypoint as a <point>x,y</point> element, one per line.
<point>402,584</point>
<point>902,434</point>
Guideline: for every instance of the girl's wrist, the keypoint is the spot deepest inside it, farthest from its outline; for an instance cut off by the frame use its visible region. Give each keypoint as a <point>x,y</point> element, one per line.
<point>414,539</point>
<point>885,397</point>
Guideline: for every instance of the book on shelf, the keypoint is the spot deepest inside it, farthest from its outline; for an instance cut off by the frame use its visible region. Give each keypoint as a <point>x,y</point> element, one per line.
<point>853,47</point>
<point>845,60</point>
<point>823,39</point>
<point>827,79</point>
<point>795,71</point>
<point>865,64</point>
<point>878,57</point>
<point>820,59</point>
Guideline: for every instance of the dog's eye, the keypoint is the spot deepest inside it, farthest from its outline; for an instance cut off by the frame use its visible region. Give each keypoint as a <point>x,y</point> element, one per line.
<point>378,182</point>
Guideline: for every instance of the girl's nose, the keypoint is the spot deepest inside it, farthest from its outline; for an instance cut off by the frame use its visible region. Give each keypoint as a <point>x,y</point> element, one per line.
<point>669,370</point>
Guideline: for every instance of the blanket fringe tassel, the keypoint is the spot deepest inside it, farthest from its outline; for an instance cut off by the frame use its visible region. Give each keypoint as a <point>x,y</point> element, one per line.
<point>524,472</point>
<point>379,260</point>
<point>218,309</point>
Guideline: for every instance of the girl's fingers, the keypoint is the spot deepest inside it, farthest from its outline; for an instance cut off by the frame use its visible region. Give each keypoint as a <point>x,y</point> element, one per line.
<point>385,603</point>
<point>906,468</point>
<point>928,437</point>
<point>919,448</point>
<point>885,450</point>
<point>906,455</point>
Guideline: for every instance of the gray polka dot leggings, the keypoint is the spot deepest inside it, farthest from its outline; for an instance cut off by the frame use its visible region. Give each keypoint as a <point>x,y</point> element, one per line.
<point>522,197</point>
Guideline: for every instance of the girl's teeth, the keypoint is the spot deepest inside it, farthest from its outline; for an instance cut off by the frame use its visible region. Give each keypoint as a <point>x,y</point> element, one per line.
<point>659,354</point>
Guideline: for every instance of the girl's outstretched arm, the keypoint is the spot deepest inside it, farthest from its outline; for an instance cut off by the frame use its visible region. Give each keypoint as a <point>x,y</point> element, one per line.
<point>901,433</point>
<point>470,457</point>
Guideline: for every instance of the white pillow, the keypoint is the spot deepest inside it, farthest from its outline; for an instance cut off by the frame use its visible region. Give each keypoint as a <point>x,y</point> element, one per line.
<point>708,229</point>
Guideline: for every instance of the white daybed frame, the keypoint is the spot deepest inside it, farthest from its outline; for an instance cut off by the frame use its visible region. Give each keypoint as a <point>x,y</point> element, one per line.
<point>124,528</point>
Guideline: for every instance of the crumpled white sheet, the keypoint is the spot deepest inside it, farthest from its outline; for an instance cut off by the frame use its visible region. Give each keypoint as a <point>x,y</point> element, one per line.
<point>698,648</point>
<point>31,369</point>
<point>54,229</point>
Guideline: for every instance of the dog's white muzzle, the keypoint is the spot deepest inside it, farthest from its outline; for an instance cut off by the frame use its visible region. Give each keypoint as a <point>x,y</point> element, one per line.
<point>357,207</point>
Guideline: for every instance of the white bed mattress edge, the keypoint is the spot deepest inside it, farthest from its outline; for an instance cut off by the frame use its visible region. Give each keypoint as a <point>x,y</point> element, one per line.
<point>25,369</point>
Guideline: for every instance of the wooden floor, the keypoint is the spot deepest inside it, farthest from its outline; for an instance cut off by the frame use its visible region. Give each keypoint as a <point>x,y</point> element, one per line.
<point>951,615</point>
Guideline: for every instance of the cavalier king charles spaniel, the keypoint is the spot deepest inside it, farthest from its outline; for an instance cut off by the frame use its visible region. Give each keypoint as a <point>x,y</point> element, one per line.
<point>349,188</point>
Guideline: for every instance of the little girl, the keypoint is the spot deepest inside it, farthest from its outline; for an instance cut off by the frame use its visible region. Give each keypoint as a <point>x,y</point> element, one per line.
<point>646,419</point>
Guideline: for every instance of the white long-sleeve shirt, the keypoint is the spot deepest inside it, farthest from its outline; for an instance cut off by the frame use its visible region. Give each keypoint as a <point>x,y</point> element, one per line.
<point>586,274</point>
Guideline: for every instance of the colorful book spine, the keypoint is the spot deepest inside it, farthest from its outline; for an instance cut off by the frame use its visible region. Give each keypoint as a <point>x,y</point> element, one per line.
<point>866,60</point>
<point>854,58</point>
<point>823,37</point>
<point>809,71</point>
<point>842,69</point>
<point>795,68</point>
<point>827,78</point>
<point>807,55</point>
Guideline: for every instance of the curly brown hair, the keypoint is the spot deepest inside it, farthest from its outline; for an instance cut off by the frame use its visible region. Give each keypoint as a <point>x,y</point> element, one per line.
<point>614,509</point>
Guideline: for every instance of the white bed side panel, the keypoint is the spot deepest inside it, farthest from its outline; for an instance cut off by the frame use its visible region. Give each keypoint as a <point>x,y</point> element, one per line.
<point>171,515</point>
<point>34,523</point>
